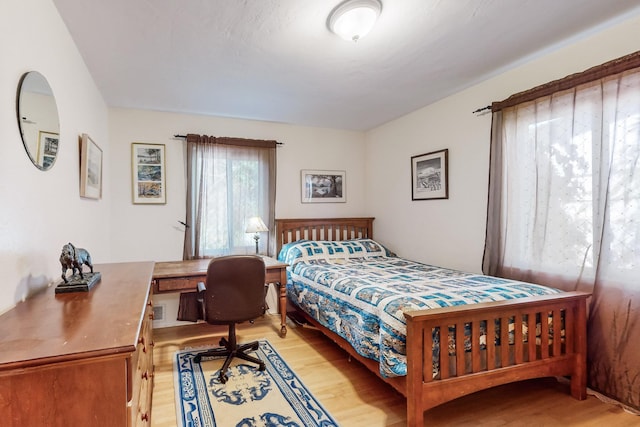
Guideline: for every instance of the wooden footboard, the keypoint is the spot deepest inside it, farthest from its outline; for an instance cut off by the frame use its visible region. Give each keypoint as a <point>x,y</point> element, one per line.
<point>492,364</point>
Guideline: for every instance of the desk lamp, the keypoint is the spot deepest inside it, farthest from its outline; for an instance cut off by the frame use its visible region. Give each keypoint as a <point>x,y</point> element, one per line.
<point>256,225</point>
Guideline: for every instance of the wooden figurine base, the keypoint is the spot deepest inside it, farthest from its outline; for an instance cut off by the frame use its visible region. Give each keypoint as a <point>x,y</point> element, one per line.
<point>77,284</point>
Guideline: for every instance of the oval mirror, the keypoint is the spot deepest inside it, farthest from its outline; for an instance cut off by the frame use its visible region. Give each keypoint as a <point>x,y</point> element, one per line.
<point>38,119</point>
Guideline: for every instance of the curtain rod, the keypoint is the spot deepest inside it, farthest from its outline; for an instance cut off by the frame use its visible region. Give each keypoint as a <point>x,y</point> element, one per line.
<point>488,107</point>
<point>185,136</point>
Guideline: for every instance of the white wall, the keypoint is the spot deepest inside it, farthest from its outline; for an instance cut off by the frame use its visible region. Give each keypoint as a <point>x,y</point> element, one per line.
<point>451,232</point>
<point>152,232</point>
<point>41,211</point>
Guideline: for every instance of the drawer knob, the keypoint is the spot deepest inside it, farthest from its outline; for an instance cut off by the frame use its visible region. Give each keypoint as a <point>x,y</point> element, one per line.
<point>145,416</point>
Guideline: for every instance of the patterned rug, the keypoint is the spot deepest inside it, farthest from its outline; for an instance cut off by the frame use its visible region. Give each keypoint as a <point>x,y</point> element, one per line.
<point>250,398</point>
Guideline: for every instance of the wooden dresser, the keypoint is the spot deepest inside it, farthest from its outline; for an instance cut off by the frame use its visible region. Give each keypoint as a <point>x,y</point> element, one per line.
<point>82,358</point>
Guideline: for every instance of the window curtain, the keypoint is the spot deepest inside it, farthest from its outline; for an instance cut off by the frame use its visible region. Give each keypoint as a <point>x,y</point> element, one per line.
<point>564,206</point>
<point>229,180</point>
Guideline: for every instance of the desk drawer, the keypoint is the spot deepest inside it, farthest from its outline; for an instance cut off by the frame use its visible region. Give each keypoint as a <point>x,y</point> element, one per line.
<point>179,284</point>
<point>274,275</point>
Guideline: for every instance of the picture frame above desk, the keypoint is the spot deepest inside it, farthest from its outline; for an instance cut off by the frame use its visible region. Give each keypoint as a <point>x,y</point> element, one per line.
<point>183,276</point>
<point>148,168</point>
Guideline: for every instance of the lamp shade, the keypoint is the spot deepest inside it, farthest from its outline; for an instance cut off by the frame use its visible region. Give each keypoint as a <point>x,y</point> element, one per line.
<point>256,225</point>
<point>353,19</point>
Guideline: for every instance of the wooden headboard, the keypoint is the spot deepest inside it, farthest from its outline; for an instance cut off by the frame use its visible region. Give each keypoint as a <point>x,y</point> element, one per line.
<point>290,230</point>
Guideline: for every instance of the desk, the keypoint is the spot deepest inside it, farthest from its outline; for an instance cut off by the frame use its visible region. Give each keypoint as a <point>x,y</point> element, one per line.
<point>183,276</point>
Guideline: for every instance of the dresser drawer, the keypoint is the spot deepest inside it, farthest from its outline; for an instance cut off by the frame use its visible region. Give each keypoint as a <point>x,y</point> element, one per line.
<point>143,372</point>
<point>143,410</point>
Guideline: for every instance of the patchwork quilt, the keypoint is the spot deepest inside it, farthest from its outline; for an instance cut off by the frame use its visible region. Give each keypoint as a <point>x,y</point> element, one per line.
<point>360,290</point>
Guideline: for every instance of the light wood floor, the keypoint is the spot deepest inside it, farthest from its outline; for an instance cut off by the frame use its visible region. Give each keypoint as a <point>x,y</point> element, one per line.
<point>355,397</point>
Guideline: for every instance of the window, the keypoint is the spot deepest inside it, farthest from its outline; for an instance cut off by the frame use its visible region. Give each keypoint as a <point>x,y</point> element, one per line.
<point>566,200</point>
<point>229,181</point>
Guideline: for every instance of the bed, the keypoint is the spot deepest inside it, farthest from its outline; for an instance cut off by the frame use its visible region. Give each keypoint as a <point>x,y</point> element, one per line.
<point>335,252</point>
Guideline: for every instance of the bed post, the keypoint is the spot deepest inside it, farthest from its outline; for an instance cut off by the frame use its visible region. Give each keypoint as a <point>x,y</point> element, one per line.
<point>415,411</point>
<point>579,376</point>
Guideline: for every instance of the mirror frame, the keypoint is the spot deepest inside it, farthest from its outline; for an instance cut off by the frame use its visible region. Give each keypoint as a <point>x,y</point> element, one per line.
<point>48,136</point>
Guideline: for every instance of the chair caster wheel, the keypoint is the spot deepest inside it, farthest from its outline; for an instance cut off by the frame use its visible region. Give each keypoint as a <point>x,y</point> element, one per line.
<point>262,367</point>
<point>222,342</point>
<point>223,378</point>
<point>197,358</point>
<point>255,346</point>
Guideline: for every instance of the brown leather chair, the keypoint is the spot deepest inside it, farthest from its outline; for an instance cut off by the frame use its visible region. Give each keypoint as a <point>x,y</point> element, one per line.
<point>234,293</point>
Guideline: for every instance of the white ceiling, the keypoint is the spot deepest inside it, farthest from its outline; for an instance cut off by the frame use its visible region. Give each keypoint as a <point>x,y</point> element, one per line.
<point>275,60</point>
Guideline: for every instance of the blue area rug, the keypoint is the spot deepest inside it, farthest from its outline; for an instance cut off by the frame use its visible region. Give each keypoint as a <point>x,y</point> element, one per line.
<point>250,398</point>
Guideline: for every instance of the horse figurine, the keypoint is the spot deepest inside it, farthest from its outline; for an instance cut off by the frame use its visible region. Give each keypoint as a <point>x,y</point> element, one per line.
<point>74,258</point>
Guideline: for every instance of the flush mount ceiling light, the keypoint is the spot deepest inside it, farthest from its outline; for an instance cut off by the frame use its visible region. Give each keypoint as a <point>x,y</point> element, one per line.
<point>353,19</point>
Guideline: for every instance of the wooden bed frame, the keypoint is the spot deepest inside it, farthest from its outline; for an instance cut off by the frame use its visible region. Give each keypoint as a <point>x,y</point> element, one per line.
<point>479,368</point>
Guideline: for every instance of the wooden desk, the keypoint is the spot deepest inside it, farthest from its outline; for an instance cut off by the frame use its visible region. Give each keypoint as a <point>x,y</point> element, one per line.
<point>81,358</point>
<point>182,276</point>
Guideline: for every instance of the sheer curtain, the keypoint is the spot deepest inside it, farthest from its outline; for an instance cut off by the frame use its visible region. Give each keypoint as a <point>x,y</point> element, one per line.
<point>564,210</point>
<point>229,180</point>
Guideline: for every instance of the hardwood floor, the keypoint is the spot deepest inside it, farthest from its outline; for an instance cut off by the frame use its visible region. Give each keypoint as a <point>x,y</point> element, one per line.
<point>355,397</point>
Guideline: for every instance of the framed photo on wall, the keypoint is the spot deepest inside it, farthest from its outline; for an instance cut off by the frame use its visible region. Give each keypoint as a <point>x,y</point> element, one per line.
<point>321,186</point>
<point>47,148</point>
<point>148,173</point>
<point>90,168</point>
<point>430,175</point>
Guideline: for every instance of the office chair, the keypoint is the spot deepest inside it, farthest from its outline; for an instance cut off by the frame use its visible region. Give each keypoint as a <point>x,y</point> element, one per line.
<point>234,293</point>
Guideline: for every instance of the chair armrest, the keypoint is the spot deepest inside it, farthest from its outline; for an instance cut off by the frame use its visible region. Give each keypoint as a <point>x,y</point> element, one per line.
<point>201,288</point>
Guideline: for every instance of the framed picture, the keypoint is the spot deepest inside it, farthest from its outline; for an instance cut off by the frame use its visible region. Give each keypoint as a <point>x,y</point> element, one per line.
<point>47,148</point>
<point>430,176</point>
<point>90,168</point>
<point>148,171</point>
<point>319,186</point>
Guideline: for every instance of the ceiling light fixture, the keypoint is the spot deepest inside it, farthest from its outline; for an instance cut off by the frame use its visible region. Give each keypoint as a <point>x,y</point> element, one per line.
<point>353,19</point>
